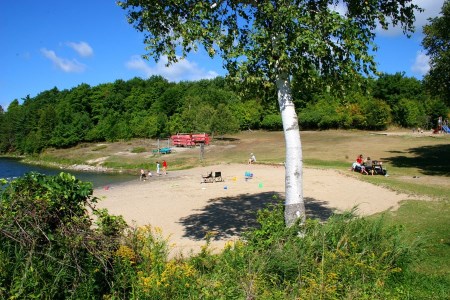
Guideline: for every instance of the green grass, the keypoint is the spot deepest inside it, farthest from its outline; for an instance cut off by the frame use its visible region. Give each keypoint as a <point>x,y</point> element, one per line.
<point>427,223</point>
<point>100,147</point>
<point>338,165</point>
<point>138,150</point>
<point>418,189</point>
<point>49,160</point>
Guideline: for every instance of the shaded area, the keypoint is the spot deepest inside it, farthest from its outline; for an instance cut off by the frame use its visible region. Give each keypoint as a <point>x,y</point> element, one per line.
<point>231,216</point>
<point>430,160</point>
<point>316,209</point>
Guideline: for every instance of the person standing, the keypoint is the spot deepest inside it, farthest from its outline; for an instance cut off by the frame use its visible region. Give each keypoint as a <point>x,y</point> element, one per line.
<point>164,164</point>
<point>157,168</point>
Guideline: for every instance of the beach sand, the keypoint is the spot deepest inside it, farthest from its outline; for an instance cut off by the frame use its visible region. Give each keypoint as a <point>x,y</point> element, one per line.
<point>186,209</point>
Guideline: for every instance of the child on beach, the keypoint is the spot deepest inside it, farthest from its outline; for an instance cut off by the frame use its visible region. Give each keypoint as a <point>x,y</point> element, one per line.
<point>143,176</point>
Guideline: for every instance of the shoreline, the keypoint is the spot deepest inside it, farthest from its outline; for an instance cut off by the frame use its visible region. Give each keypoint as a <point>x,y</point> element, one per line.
<point>74,167</point>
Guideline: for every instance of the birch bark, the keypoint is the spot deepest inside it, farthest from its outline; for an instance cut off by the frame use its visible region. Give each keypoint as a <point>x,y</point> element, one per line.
<point>294,203</point>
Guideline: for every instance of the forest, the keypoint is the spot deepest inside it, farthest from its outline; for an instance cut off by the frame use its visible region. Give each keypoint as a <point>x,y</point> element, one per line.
<point>157,108</point>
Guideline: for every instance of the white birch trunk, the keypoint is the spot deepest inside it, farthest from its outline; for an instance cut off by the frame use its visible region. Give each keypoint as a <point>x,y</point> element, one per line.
<point>294,203</point>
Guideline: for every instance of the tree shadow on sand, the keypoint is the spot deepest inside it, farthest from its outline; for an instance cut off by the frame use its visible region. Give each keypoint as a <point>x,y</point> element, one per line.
<point>231,216</point>
<point>431,160</point>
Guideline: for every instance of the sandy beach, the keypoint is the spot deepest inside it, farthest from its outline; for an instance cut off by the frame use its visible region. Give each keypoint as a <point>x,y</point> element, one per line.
<point>186,209</point>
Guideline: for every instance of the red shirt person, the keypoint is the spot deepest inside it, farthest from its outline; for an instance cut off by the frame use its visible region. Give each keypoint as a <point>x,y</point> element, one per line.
<point>164,165</point>
<point>358,163</point>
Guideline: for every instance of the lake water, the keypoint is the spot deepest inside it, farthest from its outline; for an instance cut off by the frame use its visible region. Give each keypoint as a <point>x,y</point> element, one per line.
<point>12,168</point>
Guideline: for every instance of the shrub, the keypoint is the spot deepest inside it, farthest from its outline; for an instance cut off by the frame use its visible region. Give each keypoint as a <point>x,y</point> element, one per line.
<point>49,248</point>
<point>345,257</point>
<point>272,122</point>
<point>144,271</point>
<point>377,114</point>
<point>321,115</point>
<point>409,113</point>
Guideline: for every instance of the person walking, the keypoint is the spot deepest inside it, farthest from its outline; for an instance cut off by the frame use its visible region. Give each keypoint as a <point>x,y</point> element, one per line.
<point>164,164</point>
<point>158,168</point>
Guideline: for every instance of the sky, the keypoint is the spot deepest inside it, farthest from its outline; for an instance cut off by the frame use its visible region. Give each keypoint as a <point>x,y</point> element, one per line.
<point>64,43</point>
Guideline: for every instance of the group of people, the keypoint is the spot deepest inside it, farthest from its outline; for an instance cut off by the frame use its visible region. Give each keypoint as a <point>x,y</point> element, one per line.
<point>143,176</point>
<point>364,165</point>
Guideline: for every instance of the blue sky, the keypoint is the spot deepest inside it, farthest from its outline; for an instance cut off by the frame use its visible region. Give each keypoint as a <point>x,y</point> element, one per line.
<point>64,43</point>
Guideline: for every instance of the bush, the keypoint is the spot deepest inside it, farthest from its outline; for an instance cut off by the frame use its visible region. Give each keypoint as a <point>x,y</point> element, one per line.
<point>49,248</point>
<point>321,115</point>
<point>272,122</point>
<point>143,270</point>
<point>358,111</point>
<point>345,257</point>
<point>377,114</point>
<point>407,113</point>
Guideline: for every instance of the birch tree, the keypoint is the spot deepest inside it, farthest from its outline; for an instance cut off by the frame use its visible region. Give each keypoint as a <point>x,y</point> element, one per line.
<point>265,43</point>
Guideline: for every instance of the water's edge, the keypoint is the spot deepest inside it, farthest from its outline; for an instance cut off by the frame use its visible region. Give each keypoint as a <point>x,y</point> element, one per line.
<point>12,167</point>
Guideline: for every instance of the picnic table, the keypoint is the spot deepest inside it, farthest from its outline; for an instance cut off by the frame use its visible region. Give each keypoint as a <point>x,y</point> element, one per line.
<point>165,150</point>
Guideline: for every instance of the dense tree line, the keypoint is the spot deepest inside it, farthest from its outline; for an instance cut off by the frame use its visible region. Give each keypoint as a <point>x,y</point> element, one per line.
<point>154,107</point>
<point>391,99</point>
<point>121,110</point>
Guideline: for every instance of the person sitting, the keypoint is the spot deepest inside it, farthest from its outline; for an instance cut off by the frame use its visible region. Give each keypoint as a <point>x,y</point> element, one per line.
<point>358,163</point>
<point>143,176</point>
<point>252,159</point>
<point>368,165</point>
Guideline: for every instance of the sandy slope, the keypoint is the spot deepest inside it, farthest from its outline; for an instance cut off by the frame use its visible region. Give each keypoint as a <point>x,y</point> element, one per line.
<point>187,209</point>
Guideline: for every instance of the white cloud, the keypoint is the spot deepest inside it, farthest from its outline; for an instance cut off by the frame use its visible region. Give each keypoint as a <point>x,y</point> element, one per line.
<point>432,8</point>
<point>183,70</point>
<point>82,48</point>
<point>422,64</point>
<point>68,66</point>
